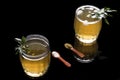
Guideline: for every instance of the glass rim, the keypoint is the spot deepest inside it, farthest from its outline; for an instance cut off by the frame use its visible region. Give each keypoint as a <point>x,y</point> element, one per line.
<point>34,58</point>
<point>89,6</point>
<point>39,56</point>
<point>37,36</point>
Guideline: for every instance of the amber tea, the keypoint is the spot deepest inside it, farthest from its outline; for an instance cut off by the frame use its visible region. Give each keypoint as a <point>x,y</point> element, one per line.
<point>87,28</point>
<point>36,60</point>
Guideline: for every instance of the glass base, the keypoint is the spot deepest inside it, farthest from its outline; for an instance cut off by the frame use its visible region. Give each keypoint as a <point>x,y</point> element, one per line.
<point>83,60</point>
<point>86,39</point>
<point>33,74</point>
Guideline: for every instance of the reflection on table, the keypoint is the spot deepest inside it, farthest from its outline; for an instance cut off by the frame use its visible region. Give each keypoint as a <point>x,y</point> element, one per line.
<point>89,50</point>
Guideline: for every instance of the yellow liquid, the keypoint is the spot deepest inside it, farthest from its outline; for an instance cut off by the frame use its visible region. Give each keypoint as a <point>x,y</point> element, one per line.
<point>86,28</point>
<point>35,67</point>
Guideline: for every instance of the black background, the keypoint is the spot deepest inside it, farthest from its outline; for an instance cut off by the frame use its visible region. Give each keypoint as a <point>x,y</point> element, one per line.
<point>54,19</point>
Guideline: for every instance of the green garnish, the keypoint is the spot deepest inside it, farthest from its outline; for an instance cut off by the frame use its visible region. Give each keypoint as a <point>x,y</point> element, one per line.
<point>103,13</point>
<point>21,47</point>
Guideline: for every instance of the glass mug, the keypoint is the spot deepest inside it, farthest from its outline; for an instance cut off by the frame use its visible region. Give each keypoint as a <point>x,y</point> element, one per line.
<point>36,61</point>
<point>86,27</point>
<point>89,50</point>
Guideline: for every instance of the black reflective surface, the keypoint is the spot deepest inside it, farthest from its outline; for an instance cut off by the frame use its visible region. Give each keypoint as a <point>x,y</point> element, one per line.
<point>54,19</point>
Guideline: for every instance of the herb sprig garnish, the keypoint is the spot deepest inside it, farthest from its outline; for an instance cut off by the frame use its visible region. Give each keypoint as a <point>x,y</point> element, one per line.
<point>103,13</point>
<point>21,47</point>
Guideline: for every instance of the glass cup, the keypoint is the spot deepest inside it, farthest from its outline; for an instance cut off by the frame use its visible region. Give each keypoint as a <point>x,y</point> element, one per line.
<point>36,60</point>
<point>87,27</point>
<point>89,50</point>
